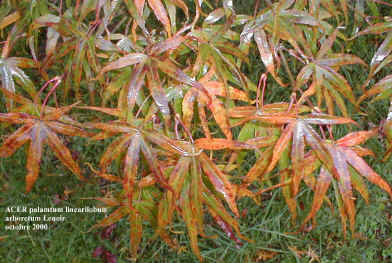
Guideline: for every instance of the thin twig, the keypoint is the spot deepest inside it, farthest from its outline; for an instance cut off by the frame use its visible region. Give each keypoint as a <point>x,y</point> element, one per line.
<point>263,78</point>
<point>57,80</point>
<point>256,8</point>
<point>185,128</point>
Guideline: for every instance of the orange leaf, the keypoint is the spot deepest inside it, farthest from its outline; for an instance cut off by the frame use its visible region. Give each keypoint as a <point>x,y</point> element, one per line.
<point>160,12</point>
<point>34,157</point>
<point>280,146</point>
<point>130,167</point>
<point>112,218</point>
<point>220,116</point>
<point>219,144</point>
<point>220,182</point>
<point>128,60</point>
<point>15,140</point>
<point>139,6</point>
<point>356,138</point>
<point>264,255</point>
<point>363,169</point>
<point>62,152</point>
<point>323,182</point>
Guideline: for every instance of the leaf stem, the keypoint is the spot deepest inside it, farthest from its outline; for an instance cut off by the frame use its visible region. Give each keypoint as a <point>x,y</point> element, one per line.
<point>57,81</point>
<point>187,131</point>
<point>263,78</point>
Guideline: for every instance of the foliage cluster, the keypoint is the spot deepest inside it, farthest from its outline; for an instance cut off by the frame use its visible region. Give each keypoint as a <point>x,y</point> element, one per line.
<point>167,82</point>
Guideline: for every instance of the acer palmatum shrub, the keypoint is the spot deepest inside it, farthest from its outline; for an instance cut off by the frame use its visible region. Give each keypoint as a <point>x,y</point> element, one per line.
<point>171,84</point>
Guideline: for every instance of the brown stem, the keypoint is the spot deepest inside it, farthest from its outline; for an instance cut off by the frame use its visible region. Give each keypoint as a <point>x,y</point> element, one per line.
<point>35,99</point>
<point>61,8</point>
<point>256,8</point>
<point>322,132</point>
<point>293,99</point>
<point>273,187</point>
<point>263,78</point>
<point>141,106</point>
<point>330,131</point>
<point>57,79</point>
<point>187,131</point>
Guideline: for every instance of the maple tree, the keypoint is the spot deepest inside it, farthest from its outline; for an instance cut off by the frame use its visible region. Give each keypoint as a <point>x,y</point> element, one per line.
<point>168,83</point>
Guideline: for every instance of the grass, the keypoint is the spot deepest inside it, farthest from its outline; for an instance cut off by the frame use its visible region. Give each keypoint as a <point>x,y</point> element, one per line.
<point>268,225</point>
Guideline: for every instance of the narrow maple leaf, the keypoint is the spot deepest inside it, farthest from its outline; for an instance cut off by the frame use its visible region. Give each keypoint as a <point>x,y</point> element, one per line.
<point>41,130</point>
<point>349,168</point>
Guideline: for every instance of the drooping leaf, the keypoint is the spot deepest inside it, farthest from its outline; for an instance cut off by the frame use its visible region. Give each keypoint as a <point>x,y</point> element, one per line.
<point>349,168</point>
<point>128,60</point>
<point>160,12</point>
<point>39,131</point>
<point>266,53</point>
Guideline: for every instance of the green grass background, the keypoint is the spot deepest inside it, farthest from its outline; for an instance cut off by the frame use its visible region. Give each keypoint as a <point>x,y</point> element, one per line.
<point>268,225</point>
